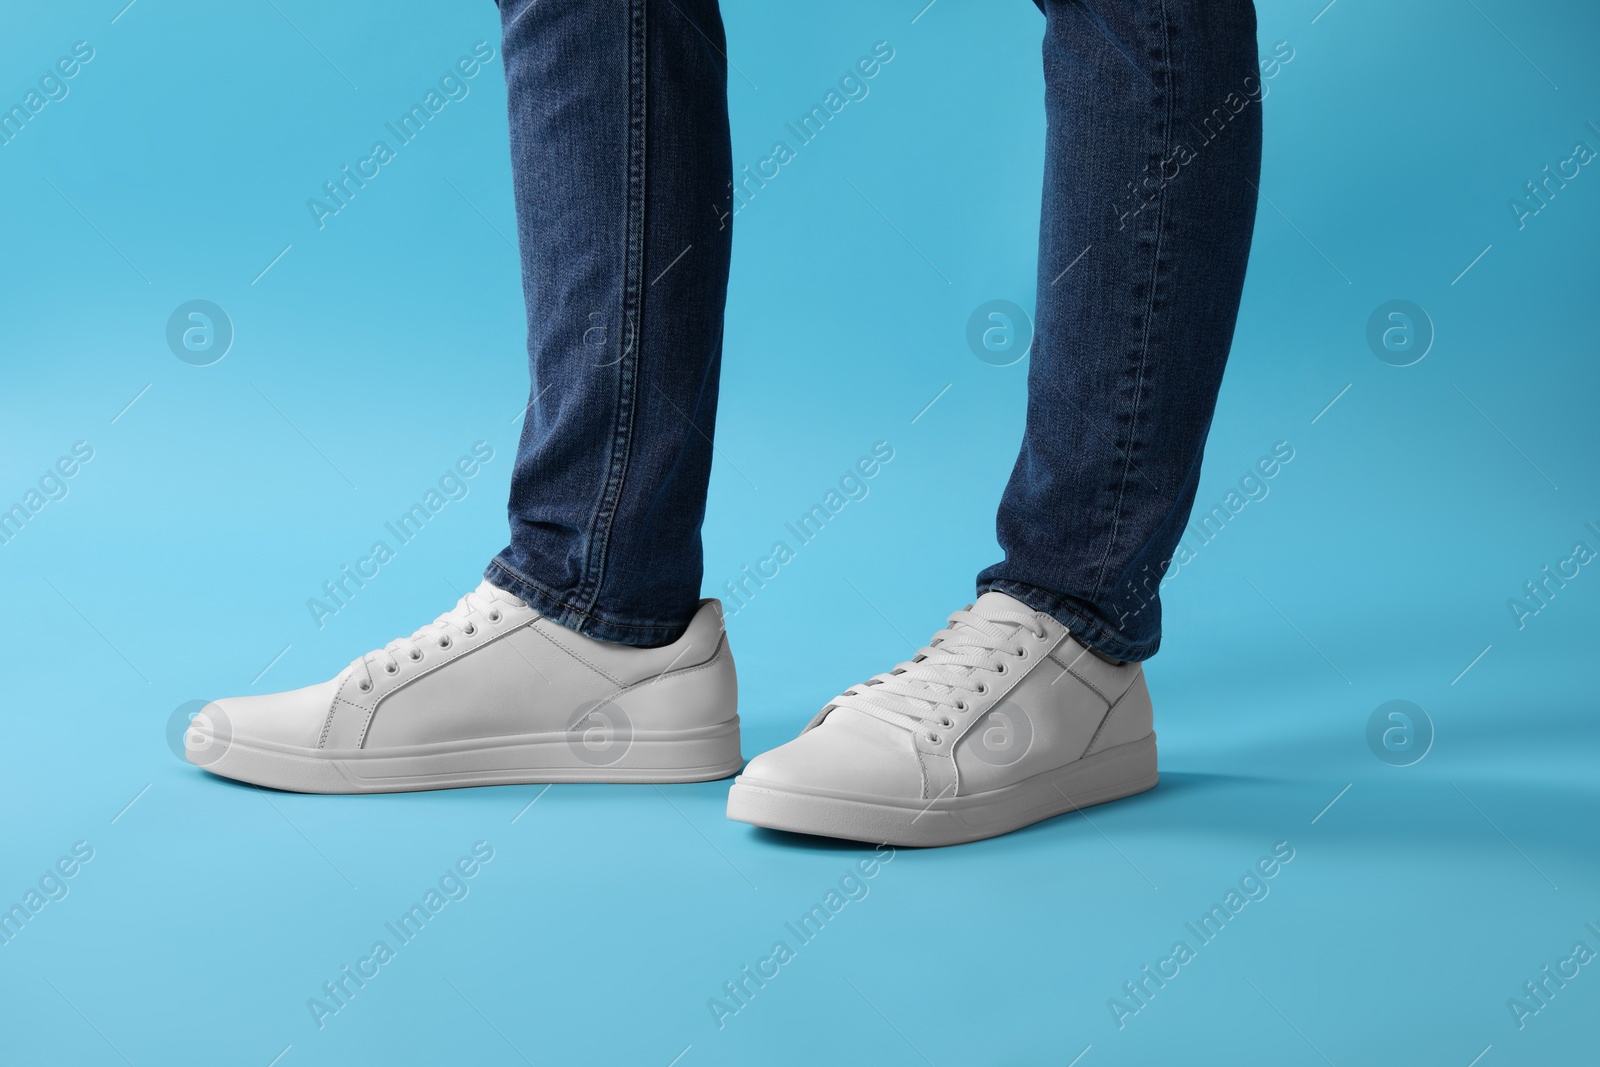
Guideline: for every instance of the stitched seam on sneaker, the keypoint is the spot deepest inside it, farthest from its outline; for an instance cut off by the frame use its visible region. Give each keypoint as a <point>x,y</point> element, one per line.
<point>955,773</point>
<point>1010,685</point>
<point>922,771</point>
<point>1106,718</point>
<point>333,708</point>
<point>361,738</point>
<point>708,662</point>
<point>574,654</point>
<point>1096,690</point>
<point>1084,681</point>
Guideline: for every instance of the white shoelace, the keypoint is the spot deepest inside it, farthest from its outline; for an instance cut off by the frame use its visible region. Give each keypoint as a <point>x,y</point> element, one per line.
<point>464,618</point>
<point>960,659</point>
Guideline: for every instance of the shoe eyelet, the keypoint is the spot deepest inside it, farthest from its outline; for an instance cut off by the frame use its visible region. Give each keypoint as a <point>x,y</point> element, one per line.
<point>494,616</point>
<point>933,739</point>
<point>983,687</point>
<point>1000,668</point>
<point>444,642</point>
<point>415,654</point>
<point>391,668</point>
<point>961,705</point>
<point>947,722</point>
<point>1022,653</point>
<point>365,687</point>
<point>469,629</point>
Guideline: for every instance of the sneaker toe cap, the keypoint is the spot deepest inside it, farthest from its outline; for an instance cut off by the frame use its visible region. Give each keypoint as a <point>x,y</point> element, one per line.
<point>847,753</point>
<point>294,718</point>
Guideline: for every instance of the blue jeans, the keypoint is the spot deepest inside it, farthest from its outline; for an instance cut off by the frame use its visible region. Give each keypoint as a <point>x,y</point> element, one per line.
<point>621,157</point>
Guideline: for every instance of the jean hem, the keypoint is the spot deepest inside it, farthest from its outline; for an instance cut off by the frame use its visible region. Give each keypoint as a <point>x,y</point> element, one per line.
<point>561,611</point>
<point>1085,629</point>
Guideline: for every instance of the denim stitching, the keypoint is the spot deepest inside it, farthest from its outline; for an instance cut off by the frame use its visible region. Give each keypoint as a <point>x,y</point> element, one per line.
<point>1155,274</point>
<point>632,312</point>
<point>522,579</point>
<point>1085,629</point>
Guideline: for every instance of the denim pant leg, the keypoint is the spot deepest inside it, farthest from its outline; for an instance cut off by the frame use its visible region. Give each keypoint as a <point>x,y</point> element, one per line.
<point>1153,152</point>
<point>621,162</point>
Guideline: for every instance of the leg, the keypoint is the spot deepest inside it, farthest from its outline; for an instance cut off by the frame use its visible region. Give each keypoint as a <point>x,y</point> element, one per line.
<point>1149,201</point>
<point>620,155</point>
<point>1007,717</point>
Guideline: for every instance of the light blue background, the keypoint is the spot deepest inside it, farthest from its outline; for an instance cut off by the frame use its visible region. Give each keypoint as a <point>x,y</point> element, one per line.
<point>374,352</point>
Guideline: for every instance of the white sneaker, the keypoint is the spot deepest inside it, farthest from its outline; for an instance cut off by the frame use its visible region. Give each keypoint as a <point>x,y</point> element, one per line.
<point>489,693</point>
<point>1000,721</point>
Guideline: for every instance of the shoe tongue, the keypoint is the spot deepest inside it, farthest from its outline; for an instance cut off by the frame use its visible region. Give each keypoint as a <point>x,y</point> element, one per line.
<point>494,592</point>
<point>992,603</point>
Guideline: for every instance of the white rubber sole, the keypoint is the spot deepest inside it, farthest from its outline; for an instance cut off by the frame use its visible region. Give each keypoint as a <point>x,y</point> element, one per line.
<point>1110,775</point>
<point>699,755</point>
